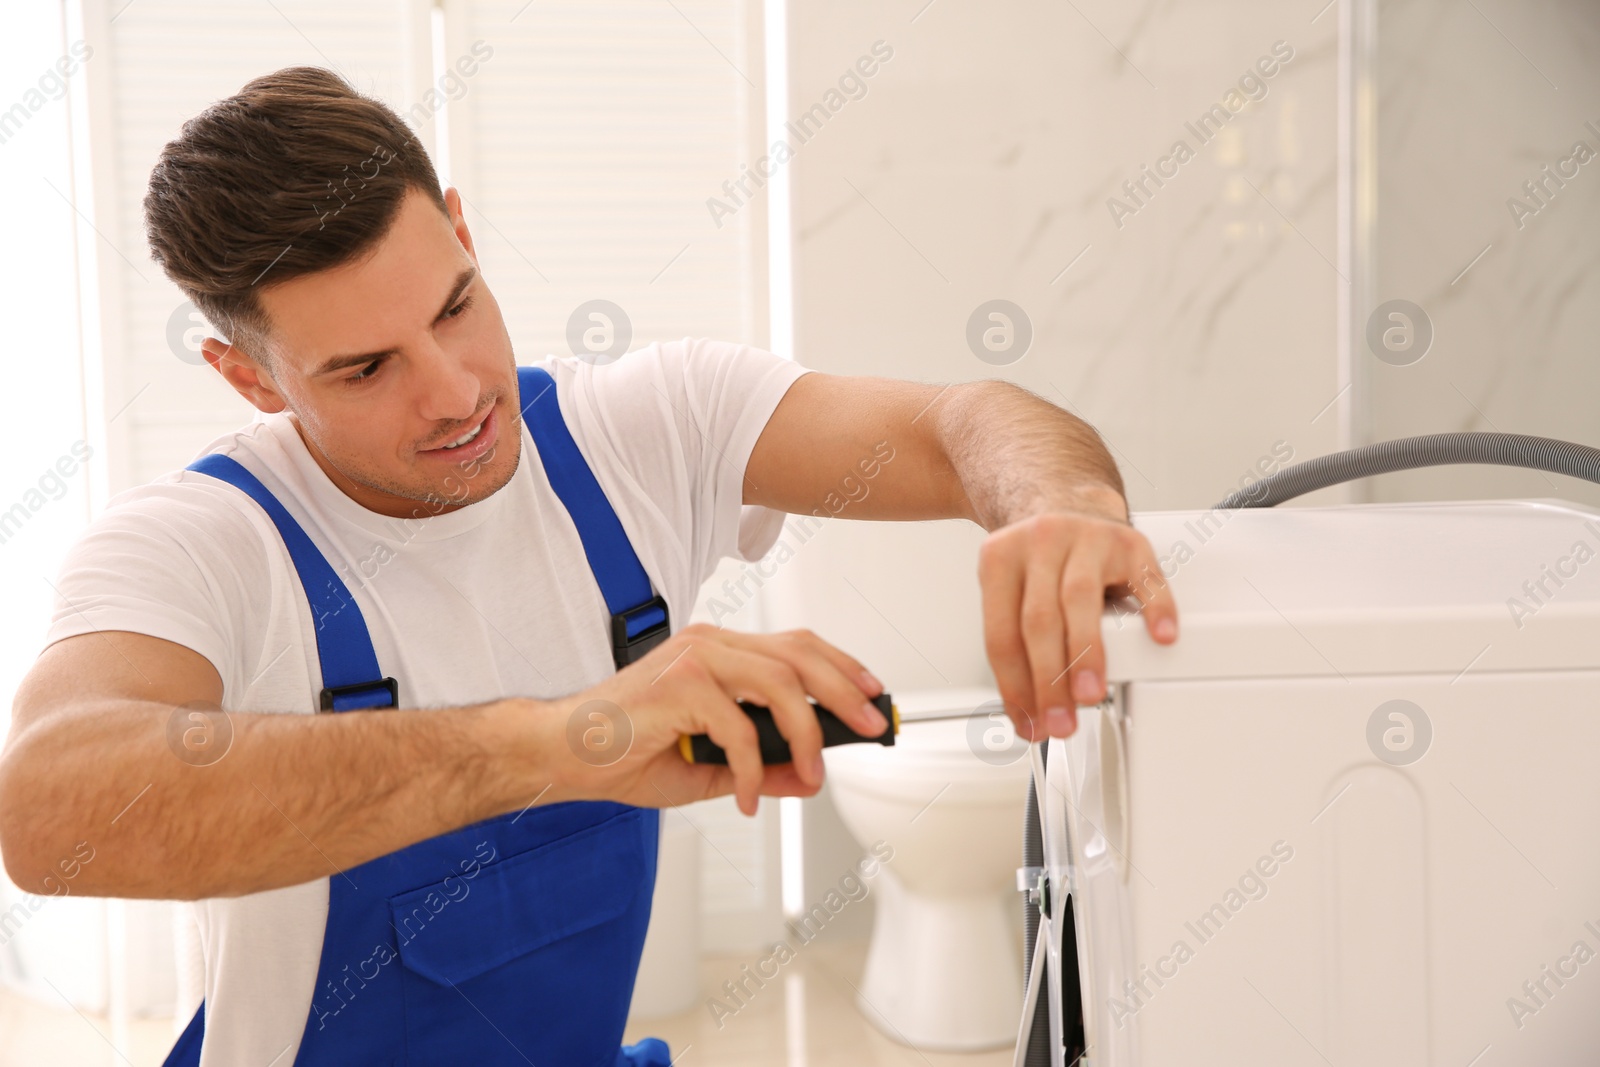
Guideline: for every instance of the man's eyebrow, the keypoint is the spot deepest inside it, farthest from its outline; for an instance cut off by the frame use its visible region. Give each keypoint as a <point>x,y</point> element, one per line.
<point>333,363</point>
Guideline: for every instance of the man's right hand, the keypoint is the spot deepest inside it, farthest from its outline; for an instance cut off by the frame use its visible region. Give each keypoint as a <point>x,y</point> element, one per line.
<point>623,733</point>
<point>94,760</point>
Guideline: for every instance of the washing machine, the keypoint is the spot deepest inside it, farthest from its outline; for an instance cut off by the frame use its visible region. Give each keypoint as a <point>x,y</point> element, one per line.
<point>1352,816</point>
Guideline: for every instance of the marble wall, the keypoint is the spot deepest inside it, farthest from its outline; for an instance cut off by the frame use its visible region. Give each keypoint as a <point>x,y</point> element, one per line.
<point>1475,101</point>
<point>1190,317</point>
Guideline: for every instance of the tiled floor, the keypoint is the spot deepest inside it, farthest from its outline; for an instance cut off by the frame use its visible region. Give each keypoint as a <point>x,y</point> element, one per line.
<point>806,1018</point>
<point>53,1035</point>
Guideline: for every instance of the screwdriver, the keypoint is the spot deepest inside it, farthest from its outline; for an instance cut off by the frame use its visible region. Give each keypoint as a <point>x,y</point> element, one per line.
<point>699,748</point>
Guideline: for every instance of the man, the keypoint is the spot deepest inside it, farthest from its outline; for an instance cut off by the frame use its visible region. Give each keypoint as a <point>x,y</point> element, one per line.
<point>464,880</point>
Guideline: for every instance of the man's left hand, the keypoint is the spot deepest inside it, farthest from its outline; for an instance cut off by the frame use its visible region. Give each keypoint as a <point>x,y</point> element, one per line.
<point>1044,582</point>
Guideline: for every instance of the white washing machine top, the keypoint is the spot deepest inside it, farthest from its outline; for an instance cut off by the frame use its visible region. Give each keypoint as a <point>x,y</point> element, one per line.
<point>1368,589</point>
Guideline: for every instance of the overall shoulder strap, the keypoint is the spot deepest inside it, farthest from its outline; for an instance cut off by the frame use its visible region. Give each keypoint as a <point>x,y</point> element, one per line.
<point>350,675</point>
<point>638,616</point>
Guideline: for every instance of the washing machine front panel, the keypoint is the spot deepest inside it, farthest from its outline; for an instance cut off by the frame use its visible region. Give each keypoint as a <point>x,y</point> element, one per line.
<point>1302,885</point>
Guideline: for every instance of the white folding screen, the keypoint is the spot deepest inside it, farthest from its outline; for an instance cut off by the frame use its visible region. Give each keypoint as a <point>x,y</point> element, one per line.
<point>157,63</point>
<point>44,481</point>
<point>587,146</point>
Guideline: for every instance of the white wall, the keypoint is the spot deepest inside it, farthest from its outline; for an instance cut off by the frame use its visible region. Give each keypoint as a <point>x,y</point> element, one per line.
<point>1472,104</point>
<point>978,166</point>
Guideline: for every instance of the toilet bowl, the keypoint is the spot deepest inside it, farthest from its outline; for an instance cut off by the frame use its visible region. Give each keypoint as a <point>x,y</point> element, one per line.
<point>944,967</point>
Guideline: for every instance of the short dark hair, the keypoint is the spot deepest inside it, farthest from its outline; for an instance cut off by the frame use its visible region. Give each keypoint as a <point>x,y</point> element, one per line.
<point>295,173</point>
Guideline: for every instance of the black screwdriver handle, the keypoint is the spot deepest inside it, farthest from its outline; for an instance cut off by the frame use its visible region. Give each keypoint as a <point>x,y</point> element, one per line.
<point>699,748</point>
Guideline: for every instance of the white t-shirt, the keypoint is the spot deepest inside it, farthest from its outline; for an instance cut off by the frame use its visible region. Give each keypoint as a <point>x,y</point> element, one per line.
<point>494,599</point>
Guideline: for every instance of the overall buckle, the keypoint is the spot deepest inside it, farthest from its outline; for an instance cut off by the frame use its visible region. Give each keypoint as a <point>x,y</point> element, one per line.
<point>625,649</point>
<point>330,692</point>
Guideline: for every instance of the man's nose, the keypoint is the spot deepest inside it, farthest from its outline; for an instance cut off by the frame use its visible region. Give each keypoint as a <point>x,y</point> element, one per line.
<point>449,391</point>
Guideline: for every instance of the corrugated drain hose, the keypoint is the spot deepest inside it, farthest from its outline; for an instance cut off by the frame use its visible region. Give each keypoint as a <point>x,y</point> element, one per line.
<point>1429,450</point>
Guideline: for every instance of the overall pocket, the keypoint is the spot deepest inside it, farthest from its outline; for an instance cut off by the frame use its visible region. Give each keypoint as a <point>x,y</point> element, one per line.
<point>534,959</point>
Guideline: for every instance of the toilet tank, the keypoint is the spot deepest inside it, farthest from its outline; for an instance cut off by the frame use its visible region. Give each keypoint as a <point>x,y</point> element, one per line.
<point>1353,815</point>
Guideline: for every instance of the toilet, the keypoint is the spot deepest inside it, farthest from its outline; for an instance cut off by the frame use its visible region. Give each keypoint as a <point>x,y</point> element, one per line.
<point>944,967</point>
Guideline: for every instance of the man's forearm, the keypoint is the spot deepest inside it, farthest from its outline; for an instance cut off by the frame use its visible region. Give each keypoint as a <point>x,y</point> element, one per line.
<point>1017,455</point>
<point>1039,479</point>
<point>295,797</point>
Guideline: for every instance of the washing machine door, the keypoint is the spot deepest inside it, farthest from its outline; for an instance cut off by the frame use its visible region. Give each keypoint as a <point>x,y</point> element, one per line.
<point>1083,961</point>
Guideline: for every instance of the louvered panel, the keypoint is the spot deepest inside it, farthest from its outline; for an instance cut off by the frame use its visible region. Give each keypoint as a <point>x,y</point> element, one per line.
<point>597,131</point>
<point>168,60</point>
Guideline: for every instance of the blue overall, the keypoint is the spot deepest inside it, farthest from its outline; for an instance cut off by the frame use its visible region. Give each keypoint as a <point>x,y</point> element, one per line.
<point>514,940</point>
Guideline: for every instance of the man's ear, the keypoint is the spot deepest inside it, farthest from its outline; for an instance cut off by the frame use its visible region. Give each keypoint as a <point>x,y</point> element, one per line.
<point>244,373</point>
<point>458,222</point>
